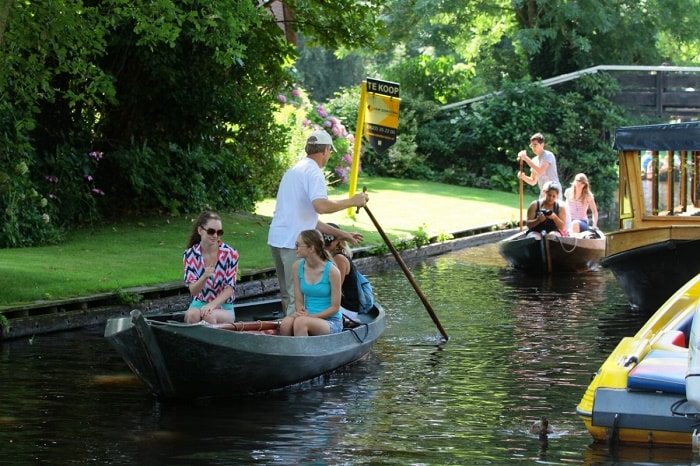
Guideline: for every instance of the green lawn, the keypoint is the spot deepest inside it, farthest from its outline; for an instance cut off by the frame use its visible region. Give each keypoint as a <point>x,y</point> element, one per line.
<point>148,251</point>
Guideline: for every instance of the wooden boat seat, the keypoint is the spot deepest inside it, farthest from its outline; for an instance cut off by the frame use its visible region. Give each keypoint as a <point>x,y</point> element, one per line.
<point>660,370</point>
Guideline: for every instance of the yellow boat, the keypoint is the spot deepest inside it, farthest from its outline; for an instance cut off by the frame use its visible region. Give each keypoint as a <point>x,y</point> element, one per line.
<point>648,389</point>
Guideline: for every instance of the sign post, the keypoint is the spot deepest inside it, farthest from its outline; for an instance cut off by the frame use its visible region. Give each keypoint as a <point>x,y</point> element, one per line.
<point>377,119</point>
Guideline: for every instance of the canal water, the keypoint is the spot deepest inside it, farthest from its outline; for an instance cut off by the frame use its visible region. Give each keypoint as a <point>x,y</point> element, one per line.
<point>520,349</point>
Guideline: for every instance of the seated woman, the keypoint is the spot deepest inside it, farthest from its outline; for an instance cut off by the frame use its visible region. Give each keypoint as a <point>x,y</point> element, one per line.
<point>317,290</point>
<point>211,268</point>
<point>547,215</point>
<point>342,257</point>
<point>579,199</point>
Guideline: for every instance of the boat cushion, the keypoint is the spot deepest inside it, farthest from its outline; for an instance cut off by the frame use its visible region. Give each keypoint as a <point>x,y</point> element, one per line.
<point>660,371</point>
<point>673,340</point>
<point>686,326</point>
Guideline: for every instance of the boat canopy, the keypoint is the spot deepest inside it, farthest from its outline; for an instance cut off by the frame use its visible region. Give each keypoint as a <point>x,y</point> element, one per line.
<point>674,137</point>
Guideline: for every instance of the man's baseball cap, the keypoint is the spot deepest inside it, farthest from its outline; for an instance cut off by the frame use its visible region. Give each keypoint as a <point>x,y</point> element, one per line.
<point>321,137</point>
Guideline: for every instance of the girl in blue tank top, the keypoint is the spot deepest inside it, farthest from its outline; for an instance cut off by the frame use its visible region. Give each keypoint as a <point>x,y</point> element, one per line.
<point>317,290</point>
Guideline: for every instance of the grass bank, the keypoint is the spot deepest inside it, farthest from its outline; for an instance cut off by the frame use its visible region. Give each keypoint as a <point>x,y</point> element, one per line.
<point>148,251</point>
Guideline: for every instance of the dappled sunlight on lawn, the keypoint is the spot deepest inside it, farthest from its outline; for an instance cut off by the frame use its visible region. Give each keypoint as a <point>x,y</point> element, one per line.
<point>403,206</point>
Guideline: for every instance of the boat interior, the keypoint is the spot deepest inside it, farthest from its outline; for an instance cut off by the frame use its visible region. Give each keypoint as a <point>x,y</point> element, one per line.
<point>664,367</point>
<point>655,397</point>
<point>661,195</point>
<point>659,185</point>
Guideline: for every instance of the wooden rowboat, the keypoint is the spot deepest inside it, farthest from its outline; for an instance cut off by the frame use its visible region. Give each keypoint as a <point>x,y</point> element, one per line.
<point>177,360</point>
<point>553,254</point>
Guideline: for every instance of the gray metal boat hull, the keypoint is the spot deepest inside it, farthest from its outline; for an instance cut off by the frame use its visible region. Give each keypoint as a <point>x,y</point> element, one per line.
<point>176,360</point>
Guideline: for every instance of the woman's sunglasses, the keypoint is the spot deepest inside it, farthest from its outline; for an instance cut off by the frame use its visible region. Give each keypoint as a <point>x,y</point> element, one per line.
<point>212,232</point>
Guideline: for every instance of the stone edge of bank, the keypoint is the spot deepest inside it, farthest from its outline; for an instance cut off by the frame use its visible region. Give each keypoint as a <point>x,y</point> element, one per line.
<point>40,318</point>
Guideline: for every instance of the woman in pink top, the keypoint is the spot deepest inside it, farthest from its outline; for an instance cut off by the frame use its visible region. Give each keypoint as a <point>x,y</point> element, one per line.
<point>579,199</point>
<point>211,270</point>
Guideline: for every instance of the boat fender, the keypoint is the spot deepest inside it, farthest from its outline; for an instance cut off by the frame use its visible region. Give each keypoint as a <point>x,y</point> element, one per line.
<point>692,378</point>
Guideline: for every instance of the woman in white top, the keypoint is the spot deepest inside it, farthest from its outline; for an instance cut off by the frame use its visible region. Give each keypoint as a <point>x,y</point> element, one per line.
<point>579,199</point>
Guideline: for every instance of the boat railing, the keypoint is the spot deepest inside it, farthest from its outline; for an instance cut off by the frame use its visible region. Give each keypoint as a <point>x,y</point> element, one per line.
<point>650,191</point>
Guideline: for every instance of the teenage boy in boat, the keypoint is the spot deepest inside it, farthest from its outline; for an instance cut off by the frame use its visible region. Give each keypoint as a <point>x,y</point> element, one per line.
<point>543,167</point>
<point>547,214</point>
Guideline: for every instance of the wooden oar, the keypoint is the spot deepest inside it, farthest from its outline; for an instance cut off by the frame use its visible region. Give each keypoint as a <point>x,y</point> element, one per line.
<point>248,326</point>
<point>407,272</point>
<point>521,196</point>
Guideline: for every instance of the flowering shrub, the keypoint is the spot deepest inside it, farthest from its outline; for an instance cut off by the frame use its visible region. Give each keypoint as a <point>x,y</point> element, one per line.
<point>314,118</point>
<point>26,215</point>
<point>70,184</point>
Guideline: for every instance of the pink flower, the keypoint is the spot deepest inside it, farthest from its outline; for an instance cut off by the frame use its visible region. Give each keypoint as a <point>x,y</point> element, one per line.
<point>296,93</point>
<point>98,192</point>
<point>342,174</point>
<point>282,98</point>
<point>88,177</point>
<point>96,155</point>
<point>306,122</point>
<point>51,178</point>
<point>321,112</point>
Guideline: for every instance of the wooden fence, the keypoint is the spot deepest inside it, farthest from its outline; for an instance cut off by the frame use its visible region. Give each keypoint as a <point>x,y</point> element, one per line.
<point>665,91</point>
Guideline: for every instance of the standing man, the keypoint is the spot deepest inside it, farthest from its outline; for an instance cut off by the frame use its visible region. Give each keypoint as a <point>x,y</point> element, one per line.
<point>301,197</point>
<point>543,167</point>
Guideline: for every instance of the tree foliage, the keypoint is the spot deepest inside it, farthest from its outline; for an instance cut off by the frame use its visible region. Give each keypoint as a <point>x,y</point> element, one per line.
<point>176,96</point>
<point>113,106</point>
<point>486,41</point>
<point>449,51</point>
<point>559,37</point>
<point>316,78</point>
<point>479,146</point>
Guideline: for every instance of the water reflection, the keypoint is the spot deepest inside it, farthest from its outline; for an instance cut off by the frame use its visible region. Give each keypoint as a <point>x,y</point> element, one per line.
<point>520,348</point>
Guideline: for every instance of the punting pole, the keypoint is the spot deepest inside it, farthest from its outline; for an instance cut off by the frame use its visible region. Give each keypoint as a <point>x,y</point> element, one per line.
<point>407,272</point>
<point>521,196</point>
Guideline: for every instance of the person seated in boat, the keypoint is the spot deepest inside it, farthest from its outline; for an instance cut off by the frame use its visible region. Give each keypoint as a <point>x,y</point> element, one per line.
<point>547,215</point>
<point>211,269</point>
<point>342,258</point>
<point>317,290</point>
<point>579,200</point>
<point>646,164</point>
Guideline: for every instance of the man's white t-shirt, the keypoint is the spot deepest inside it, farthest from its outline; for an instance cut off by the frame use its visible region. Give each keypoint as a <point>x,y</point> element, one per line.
<point>551,173</point>
<point>294,212</point>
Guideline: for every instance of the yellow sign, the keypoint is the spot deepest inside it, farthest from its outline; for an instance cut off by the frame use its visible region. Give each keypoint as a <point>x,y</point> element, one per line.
<point>379,118</point>
<point>382,110</point>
